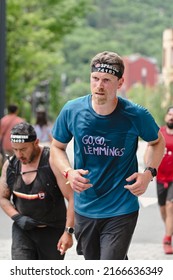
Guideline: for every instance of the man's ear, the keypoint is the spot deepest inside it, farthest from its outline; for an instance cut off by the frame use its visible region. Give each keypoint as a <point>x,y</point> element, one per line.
<point>121,81</point>
<point>37,141</point>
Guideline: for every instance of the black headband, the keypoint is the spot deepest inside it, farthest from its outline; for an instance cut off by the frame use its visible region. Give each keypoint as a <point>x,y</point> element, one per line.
<point>22,138</point>
<point>106,68</point>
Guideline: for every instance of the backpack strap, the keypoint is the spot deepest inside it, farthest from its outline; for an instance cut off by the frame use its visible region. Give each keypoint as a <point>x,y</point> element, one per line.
<point>12,171</point>
<point>47,176</point>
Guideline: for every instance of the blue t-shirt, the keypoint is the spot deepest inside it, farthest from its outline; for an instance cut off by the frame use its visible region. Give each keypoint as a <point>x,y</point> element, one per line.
<point>106,146</point>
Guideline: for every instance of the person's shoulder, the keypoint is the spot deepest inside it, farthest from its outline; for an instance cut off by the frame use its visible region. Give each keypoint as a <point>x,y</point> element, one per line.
<point>3,177</point>
<point>5,118</point>
<point>78,101</point>
<point>163,128</point>
<point>5,165</point>
<point>130,107</point>
<point>37,127</point>
<point>19,119</point>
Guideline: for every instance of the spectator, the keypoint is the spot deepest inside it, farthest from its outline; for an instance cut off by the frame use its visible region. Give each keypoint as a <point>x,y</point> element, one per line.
<point>7,123</point>
<point>42,128</point>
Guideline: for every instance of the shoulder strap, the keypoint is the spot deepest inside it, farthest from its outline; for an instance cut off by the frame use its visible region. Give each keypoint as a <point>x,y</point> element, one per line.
<point>44,163</point>
<point>45,156</point>
<point>12,171</point>
<point>47,176</point>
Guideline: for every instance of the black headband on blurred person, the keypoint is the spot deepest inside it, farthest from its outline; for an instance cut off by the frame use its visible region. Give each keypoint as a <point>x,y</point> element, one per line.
<point>16,138</point>
<point>106,68</point>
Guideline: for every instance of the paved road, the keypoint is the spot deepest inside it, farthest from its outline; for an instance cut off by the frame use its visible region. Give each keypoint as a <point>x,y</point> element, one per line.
<point>146,243</point>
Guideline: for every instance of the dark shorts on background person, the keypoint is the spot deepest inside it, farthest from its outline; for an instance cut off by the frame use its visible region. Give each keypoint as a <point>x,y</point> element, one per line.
<point>36,244</point>
<point>104,239</point>
<point>164,194</point>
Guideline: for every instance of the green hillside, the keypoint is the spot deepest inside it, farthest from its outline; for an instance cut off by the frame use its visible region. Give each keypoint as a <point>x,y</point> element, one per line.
<point>121,25</point>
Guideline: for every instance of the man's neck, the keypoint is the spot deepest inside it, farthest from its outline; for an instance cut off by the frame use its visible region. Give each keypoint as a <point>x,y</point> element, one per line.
<point>104,109</point>
<point>169,131</point>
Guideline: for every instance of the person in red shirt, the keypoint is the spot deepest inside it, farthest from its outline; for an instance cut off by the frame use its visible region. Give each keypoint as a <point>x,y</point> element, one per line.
<point>164,181</point>
<point>6,124</point>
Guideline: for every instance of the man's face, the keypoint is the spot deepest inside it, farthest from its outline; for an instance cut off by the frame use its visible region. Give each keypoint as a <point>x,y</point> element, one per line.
<point>25,152</point>
<point>104,87</point>
<point>169,119</point>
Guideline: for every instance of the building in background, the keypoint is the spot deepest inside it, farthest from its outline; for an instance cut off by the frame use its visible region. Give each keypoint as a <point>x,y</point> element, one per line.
<point>167,65</point>
<point>140,70</point>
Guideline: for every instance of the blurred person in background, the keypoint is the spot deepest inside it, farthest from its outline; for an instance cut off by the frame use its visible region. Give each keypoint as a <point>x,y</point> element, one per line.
<point>6,124</point>
<point>164,181</point>
<point>42,127</point>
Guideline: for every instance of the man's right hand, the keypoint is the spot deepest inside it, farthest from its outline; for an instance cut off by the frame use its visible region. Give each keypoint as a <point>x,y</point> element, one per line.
<point>77,180</point>
<point>24,222</point>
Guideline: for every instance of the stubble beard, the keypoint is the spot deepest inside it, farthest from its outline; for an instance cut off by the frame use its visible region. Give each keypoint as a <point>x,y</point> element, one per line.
<point>170,125</point>
<point>99,100</point>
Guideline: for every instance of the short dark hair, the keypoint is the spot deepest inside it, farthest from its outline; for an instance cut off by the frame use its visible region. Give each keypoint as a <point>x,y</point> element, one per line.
<point>24,128</point>
<point>110,58</point>
<point>12,108</point>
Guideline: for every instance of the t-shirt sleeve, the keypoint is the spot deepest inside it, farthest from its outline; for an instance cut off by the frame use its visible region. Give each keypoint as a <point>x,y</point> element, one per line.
<point>60,130</point>
<point>148,127</point>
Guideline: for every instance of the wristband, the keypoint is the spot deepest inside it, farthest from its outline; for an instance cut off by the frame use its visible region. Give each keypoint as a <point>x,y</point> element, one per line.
<point>65,173</point>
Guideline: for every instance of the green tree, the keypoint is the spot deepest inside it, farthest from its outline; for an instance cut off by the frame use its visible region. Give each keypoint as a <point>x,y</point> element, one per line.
<point>34,52</point>
<point>150,98</point>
